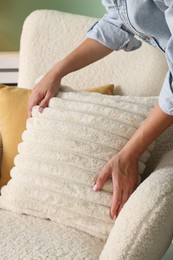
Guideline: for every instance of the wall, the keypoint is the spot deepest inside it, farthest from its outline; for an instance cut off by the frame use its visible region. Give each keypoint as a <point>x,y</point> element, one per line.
<point>13,13</point>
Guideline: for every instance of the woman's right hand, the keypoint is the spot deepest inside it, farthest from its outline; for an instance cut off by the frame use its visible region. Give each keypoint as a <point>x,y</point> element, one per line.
<point>86,53</point>
<point>45,89</point>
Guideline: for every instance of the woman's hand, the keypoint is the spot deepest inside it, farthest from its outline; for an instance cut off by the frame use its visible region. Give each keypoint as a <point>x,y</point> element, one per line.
<point>45,89</point>
<point>124,173</point>
<point>86,53</point>
<point>123,167</point>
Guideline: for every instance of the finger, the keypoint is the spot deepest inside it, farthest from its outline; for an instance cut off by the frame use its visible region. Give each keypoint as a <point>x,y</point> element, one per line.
<point>116,198</point>
<point>133,186</point>
<point>34,100</point>
<point>126,193</point>
<point>29,114</point>
<point>44,103</point>
<point>31,104</point>
<point>101,179</point>
<point>125,197</point>
<point>131,190</point>
<point>29,109</point>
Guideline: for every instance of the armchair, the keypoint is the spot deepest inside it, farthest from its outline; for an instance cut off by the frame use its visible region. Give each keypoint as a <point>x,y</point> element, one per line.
<point>144,228</point>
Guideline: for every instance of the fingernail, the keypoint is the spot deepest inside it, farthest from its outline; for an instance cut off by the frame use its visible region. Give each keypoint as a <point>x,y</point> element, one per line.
<point>93,183</point>
<point>40,109</point>
<point>114,217</point>
<point>95,187</point>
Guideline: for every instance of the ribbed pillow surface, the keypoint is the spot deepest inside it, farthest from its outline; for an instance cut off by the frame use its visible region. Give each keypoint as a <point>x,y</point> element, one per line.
<point>64,149</point>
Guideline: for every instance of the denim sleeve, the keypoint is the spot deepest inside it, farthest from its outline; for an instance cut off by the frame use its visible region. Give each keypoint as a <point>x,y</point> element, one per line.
<point>166,94</point>
<point>110,31</point>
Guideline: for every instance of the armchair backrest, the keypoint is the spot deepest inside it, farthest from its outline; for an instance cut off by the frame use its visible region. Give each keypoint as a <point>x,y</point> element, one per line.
<point>48,36</point>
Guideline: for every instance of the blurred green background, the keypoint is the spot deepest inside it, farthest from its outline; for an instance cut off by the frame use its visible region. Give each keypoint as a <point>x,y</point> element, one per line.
<point>13,13</point>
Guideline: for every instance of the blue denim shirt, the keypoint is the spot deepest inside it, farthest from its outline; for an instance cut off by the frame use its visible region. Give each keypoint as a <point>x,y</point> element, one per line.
<point>150,20</point>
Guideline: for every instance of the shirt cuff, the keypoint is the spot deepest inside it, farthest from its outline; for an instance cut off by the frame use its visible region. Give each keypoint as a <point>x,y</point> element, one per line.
<point>112,36</point>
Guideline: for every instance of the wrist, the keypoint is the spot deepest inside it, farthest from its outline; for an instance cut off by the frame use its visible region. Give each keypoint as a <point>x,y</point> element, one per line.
<point>129,154</point>
<point>138,143</point>
<point>134,147</point>
<point>127,162</point>
<point>58,71</point>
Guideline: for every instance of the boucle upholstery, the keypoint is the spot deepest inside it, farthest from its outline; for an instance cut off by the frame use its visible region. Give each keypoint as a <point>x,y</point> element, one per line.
<point>26,237</point>
<point>148,216</point>
<point>63,150</point>
<point>47,36</point>
<point>33,238</point>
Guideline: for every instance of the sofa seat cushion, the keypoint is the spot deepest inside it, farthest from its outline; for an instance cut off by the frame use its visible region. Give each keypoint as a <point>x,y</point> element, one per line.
<point>27,237</point>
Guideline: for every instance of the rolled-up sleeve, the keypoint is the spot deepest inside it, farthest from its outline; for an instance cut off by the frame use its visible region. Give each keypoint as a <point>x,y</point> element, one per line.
<point>110,31</point>
<point>166,94</point>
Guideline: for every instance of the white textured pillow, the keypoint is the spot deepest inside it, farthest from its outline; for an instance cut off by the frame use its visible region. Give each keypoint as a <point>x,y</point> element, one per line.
<point>62,152</point>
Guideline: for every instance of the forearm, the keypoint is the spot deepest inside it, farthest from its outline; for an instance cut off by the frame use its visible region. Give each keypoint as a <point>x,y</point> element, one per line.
<point>88,52</point>
<point>155,124</point>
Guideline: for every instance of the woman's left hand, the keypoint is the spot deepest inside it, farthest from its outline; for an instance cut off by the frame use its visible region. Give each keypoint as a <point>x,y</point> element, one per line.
<point>124,172</point>
<point>123,167</point>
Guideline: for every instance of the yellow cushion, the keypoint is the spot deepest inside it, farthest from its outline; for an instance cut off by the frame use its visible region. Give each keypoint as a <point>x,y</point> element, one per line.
<point>107,89</point>
<point>13,115</point>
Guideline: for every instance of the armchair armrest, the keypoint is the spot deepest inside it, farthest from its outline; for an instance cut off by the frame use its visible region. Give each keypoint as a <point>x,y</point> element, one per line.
<point>144,228</point>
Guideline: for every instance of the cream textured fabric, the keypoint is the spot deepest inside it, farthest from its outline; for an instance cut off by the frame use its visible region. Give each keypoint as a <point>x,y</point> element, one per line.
<point>25,237</point>
<point>48,36</point>
<point>147,233</point>
<point>63,151</point>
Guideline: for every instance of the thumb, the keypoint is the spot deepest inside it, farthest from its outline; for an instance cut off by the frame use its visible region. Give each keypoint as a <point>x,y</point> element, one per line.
<point>101,179</point>
<point>44,103</point>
